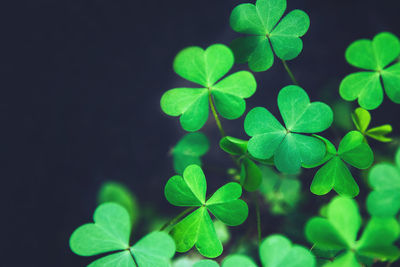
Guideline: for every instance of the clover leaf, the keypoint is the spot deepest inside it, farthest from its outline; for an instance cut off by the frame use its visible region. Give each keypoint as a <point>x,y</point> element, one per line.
<point>362,118</point>
<point>334,174</point>
<point>267,32</point>
<point>250,174</point>
<point>197,228</point>
<point>110,232</point>
<point>189,151</point>
<point>281,192</point>
<point>338,232</point>
<point>118,193</point>
<point>384,178</point>
<point>375,57</point>
<point>275,251</point>
<point>289,146</point>
<point>206,68</point>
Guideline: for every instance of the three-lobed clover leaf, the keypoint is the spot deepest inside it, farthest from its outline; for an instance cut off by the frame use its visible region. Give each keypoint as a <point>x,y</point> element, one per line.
<point>189,150</point>
<point>110,232</point>
<point>334,174</point>
<point>275,251</point>
<point>197,228</point>
<point>362,118</point>
<point>281,192</point>
<point>384,178</point>
<point>268,32</point>
<point>376,57</point>
<point>289,146</point>
<point>338,232</point>
<point>206,68</point>
<point>118,193</point>
<point>250,174</point>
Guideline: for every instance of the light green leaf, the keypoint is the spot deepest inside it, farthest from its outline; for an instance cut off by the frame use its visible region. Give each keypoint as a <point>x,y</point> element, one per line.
<point>379,133</point>
<point>204,67</point>
<point>361,54</point>
<point>189,150</point>
<point>377,239</point>
<point>361,118</point>
<point>109,232</point>
<point>299,114</point>
<point>189,190</point>
<point>355,151</point>
<point>278,251</point>
<point>391,82</point>
<point>233,146</point>
<point>365,86</point>
<point>386,47</point>
<point>155,249</point>
<point>120,259</point>
<point>118,193</point>
<point>222,231</point>
<point>348,259</point>
<point>285,37</point>
<point>226,205</point>
<point>206,263</point>
<point>191,103</point>
<point>238,261</point>
<point>321,233</point>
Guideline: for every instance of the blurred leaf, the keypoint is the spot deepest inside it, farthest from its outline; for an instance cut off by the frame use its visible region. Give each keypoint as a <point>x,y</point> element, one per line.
<point>250,175</point>
<point>118,193</point>
<point>189,150</point>
<point>233,146</point>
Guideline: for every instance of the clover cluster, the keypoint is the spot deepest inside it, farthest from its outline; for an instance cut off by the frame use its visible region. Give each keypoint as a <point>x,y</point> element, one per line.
<point>265,167</point>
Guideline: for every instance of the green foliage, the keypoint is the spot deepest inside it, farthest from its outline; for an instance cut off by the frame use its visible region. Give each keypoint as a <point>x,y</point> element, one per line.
<point>118,193</point>
<point>189,150</point>
<point>206,68</point>
<point>334,174</point>
<point>110,232</point>
<point>384,178</point>
<point>267,33</point>
<point>197,228</point>
<point>289,146</point>
<point>362,118</point>
<point>376,57</point>
<point>250,174</point>
<point>338,232</point>
<point>282,193</point>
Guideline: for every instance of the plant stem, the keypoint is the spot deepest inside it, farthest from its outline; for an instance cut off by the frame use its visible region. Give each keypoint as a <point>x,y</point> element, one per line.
<point>258,218</point>
<point>177,218</point>
<point>290,72</point>
<point>221,130</point>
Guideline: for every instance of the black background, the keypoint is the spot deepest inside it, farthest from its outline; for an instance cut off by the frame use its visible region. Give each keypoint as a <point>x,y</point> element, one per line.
<point>81,83</point>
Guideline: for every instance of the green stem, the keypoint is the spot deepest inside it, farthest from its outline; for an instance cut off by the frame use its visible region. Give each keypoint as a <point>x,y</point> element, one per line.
<point>290,72</point>
<point>258,218</point>
<point>221,130</point>
<point>177,218</point>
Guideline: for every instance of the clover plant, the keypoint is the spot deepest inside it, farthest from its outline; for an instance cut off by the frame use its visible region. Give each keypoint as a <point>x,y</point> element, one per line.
<point>334,174</point>
<point>228,228</point>
<point>377,58</point>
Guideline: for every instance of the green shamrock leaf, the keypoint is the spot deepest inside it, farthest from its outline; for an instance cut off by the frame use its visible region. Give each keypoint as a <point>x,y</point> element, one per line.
<point>334,174</point>
<point>250,174</point>
<point>362,118</point>
<point>375,57</point>
<point>189,150</point>
<point>206,68</point>
<point>338,232</point>
<point>118,193</point>
<point>275,251</point>
<point>268,33</point>
<point>197,228</point>
<point>289,146</point>
<point>281,192</point>
<point>384,178</point>
<point>110,232</point>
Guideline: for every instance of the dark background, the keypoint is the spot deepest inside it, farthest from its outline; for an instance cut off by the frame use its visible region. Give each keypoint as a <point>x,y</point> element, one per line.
<point>81,83</point>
